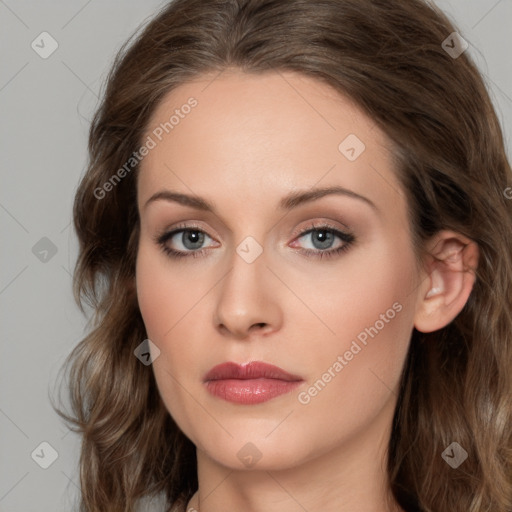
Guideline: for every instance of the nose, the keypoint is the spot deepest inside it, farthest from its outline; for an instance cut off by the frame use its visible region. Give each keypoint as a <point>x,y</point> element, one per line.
<point>248,300</point>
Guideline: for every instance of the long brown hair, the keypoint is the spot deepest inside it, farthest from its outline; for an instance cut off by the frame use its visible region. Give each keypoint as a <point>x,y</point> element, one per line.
<point>389,57</point>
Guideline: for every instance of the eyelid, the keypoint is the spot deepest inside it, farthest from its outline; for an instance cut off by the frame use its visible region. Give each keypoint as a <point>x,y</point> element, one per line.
<point>300,231</point>
<point>319,225</point>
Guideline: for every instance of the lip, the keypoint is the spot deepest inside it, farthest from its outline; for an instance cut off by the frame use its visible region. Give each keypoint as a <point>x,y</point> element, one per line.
<point>250,383</point>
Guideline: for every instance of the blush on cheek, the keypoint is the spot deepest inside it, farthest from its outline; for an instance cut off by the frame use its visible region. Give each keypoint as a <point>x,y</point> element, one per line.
<point>151,296</point>
<point>163,300</point>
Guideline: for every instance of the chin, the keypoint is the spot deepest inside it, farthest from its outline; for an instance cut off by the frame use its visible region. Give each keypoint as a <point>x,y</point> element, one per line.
<point>254,449</point>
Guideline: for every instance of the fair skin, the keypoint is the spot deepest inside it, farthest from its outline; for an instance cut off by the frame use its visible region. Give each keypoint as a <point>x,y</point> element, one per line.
<point>251,141</point>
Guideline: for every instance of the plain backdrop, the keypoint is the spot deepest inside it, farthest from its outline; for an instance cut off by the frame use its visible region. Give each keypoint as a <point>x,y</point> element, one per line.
<point>46,105</point>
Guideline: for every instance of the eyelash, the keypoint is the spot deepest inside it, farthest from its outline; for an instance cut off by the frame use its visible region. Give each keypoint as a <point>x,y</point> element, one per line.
<point>348,238</point>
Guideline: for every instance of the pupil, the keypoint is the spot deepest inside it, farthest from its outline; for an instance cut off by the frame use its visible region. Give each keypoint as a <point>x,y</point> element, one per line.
<point>193,238</point>
<point>325,238</point>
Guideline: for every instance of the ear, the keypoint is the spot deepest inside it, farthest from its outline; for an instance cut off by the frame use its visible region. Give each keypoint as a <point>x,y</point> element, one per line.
<point>450,265</point>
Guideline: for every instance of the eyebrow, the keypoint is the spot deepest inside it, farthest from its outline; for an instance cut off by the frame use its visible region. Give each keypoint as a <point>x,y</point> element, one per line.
<point>292,200</point>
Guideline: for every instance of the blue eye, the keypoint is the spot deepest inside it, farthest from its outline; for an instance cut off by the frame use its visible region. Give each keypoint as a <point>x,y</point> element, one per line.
<point>192,238</point>
<point>322,238</point>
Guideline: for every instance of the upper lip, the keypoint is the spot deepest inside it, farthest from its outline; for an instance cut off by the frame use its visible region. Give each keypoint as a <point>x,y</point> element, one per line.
<point>251,370</point>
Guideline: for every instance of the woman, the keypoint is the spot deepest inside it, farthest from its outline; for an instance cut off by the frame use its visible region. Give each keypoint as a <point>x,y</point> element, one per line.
<point>295,235</point>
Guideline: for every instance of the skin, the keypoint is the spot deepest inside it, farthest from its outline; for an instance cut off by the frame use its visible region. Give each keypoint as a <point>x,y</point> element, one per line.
<point>250,141</point>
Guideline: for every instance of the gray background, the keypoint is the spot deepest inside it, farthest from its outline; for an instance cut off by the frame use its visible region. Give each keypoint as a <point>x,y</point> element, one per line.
<point>46,105</point>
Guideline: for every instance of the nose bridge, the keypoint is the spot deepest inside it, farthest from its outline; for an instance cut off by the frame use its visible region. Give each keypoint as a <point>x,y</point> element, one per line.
<point>246,296</point>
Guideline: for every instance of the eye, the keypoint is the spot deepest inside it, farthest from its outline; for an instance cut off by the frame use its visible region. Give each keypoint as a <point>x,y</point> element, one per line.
<point>323,238</point>
<point>188,239</point>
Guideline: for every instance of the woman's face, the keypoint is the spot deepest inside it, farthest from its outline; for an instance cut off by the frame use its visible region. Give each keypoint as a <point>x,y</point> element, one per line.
<point>333,307</point>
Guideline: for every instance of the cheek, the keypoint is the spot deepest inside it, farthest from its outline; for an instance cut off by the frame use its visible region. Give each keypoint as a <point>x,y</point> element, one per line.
<point>162,297</point>
<point>356,368</point>
<point>362,292</point>
<point>151,295</point>
<point>164,303</point>
<point>170,302</point>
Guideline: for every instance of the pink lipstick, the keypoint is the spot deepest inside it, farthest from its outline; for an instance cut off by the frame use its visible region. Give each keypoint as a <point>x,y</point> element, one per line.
<point>251,383</point>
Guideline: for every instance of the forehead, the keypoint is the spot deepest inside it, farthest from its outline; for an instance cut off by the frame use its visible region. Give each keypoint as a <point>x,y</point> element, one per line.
<point>264,135</point>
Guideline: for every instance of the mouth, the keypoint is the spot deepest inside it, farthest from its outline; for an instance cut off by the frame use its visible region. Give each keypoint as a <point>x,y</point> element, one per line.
<point>251,383</point>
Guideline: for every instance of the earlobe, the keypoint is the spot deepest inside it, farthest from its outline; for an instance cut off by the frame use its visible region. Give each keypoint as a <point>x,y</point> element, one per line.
<point>451,267</point>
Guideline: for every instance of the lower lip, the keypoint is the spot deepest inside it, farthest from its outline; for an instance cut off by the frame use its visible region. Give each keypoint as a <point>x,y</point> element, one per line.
<point>250,391</point>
